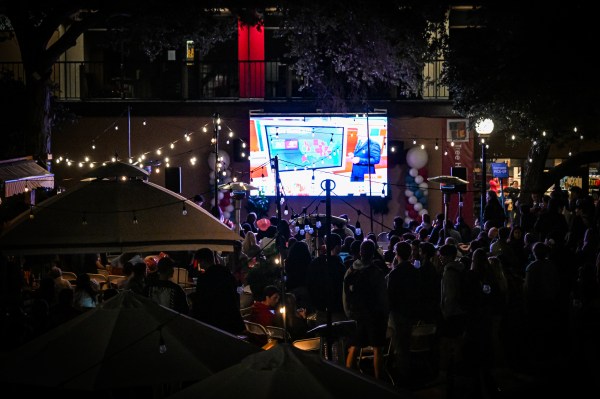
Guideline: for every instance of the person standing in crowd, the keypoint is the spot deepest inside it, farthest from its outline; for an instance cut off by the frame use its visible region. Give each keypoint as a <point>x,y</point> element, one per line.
<point>494,210</point>
<point>216,300</point>
<point>164,291</point>
<point>325,282</point>
<point>365,300</point>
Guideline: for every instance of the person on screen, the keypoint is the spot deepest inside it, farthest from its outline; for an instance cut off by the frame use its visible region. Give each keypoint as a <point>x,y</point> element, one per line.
<point>366,155</point>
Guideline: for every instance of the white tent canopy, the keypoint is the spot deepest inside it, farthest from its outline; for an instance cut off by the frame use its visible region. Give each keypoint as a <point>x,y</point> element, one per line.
<point>115,210</point>
<point>22,174</point>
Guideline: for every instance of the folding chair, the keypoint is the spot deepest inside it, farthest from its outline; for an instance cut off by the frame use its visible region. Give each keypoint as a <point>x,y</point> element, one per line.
<point>70,277</point>
<point>279,334</point>
<point>257,333</point>
<point>367,355</point>
<point>246,312</point>
<point>101,279</point>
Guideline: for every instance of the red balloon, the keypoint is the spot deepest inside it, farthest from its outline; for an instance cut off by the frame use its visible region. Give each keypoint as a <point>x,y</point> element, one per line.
<point>263,224</point>
<point>410,207</point>
<point>413,214</point>
<point>423,171</point>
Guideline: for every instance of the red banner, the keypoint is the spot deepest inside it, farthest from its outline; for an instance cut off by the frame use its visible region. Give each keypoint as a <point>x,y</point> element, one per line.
<point>457,150</point>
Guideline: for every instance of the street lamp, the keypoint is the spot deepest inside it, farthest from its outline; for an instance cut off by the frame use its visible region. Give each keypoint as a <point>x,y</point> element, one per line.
<point>484,128</point>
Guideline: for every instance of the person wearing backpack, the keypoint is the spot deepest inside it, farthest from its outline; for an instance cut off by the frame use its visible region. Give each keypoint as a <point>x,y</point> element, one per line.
<point>365,300</point>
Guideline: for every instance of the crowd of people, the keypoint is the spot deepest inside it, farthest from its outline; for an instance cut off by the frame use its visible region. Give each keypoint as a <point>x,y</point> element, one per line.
<point>523,294</point>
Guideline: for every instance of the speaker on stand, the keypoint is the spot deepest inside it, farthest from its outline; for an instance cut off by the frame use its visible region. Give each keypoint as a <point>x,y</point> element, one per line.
<point>460,172</point>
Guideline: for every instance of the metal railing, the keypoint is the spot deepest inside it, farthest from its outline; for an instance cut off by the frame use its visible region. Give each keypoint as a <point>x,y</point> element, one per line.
<point>168,80</point>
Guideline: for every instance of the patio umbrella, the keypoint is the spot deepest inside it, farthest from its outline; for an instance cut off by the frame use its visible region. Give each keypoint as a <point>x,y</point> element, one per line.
<point>450,182</point>
<point>128,341</point>
<point>447,180</point>
<point>286,372</point>
<point>115,209</point>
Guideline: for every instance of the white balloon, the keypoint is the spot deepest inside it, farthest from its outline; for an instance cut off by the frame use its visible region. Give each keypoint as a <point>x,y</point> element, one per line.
<point>229,208</point>
<point>418,206</point>
<point>407,220</point>
<point>405,213</point>
<point>413,200</point>
<point>413,172</point>
<point>221,195</point>
<point>423,186</point>
<point>226,215</point>
<point>419,179</point>
<point>408,193</point>
<point>224,158</point>
<point>425,192</point>
<point>423,212</point>
<point>416,157</point>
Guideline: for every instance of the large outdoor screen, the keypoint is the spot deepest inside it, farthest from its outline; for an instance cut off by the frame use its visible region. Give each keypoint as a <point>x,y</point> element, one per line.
<point>311,148</point>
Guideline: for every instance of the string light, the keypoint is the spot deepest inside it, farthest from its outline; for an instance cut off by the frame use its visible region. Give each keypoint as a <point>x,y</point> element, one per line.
<point>436,145</point>
<point>184,210</point>
<point>31,215</point>
<point>135,219</point>
<point>84,220</point>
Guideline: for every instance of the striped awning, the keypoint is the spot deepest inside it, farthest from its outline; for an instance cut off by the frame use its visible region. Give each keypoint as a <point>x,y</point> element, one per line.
<point>19,176</point>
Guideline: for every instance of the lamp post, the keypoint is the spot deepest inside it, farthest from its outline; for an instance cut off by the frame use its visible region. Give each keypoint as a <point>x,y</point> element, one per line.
<point>216,127</point>
<point>484,128</point>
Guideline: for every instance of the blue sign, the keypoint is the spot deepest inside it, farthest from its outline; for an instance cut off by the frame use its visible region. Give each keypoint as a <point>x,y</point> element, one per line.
<point>500,170</point>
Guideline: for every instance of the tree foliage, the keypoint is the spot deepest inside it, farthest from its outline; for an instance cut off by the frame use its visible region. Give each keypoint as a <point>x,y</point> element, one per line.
<point>530,69</point>
<point>343,52</point>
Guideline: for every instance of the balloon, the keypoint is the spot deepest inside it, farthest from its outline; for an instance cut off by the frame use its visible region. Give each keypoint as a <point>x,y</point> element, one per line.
<point>423,212</point>
<point>211,175</point>
<point>407,220</point>
<point>409,179</point>
<point>419,194</point>
<point>409,193</point>
<point>418,206</point>
<point>263,224</point>
<point>229,208</point>
<point>423,186</point>
<point>221,195</point>
<point>412,187</point>
<point>425,193</point>
<point>224,158</point>
<point>413,200</point>
<point>413,172</point>
<point>410,206</point>
<point>423,171</point>
<point>413,214</point>
<point>419,179</point>
<point>416,157</point>
<point>226,214</point>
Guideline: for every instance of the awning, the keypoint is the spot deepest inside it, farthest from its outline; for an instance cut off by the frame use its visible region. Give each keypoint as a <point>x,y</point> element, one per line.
<point>20,175</point>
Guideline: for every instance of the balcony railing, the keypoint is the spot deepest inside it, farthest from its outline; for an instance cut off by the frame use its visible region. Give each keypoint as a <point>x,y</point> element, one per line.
<point>193,81</point>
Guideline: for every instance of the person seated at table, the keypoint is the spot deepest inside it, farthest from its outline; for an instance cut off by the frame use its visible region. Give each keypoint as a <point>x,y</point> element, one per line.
<point>263,309</point>
<point>86,292</point>
<point>137,281</point>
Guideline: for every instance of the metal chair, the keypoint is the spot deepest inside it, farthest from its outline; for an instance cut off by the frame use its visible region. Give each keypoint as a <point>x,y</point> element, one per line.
<point>257,333</point>
<point>101,279</point>
<point>367,355</point>
<point>115,279</point>
<point>279,334</point>
<point>69,276</point>
<point>246,312</point>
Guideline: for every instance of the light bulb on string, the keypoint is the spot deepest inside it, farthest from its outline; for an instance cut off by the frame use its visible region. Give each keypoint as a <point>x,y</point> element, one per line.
<point>135,219</point>
<point>31,215</point>
<point>286,210</point>
<point>84,220</point>
<point>436,145</point>
<point>184,211</point>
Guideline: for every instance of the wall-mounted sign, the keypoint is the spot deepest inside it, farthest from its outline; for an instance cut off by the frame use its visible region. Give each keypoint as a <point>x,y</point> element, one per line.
<point>500,170</point>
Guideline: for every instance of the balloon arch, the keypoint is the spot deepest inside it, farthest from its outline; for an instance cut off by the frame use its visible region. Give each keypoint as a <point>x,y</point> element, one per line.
<point>416,190</point>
